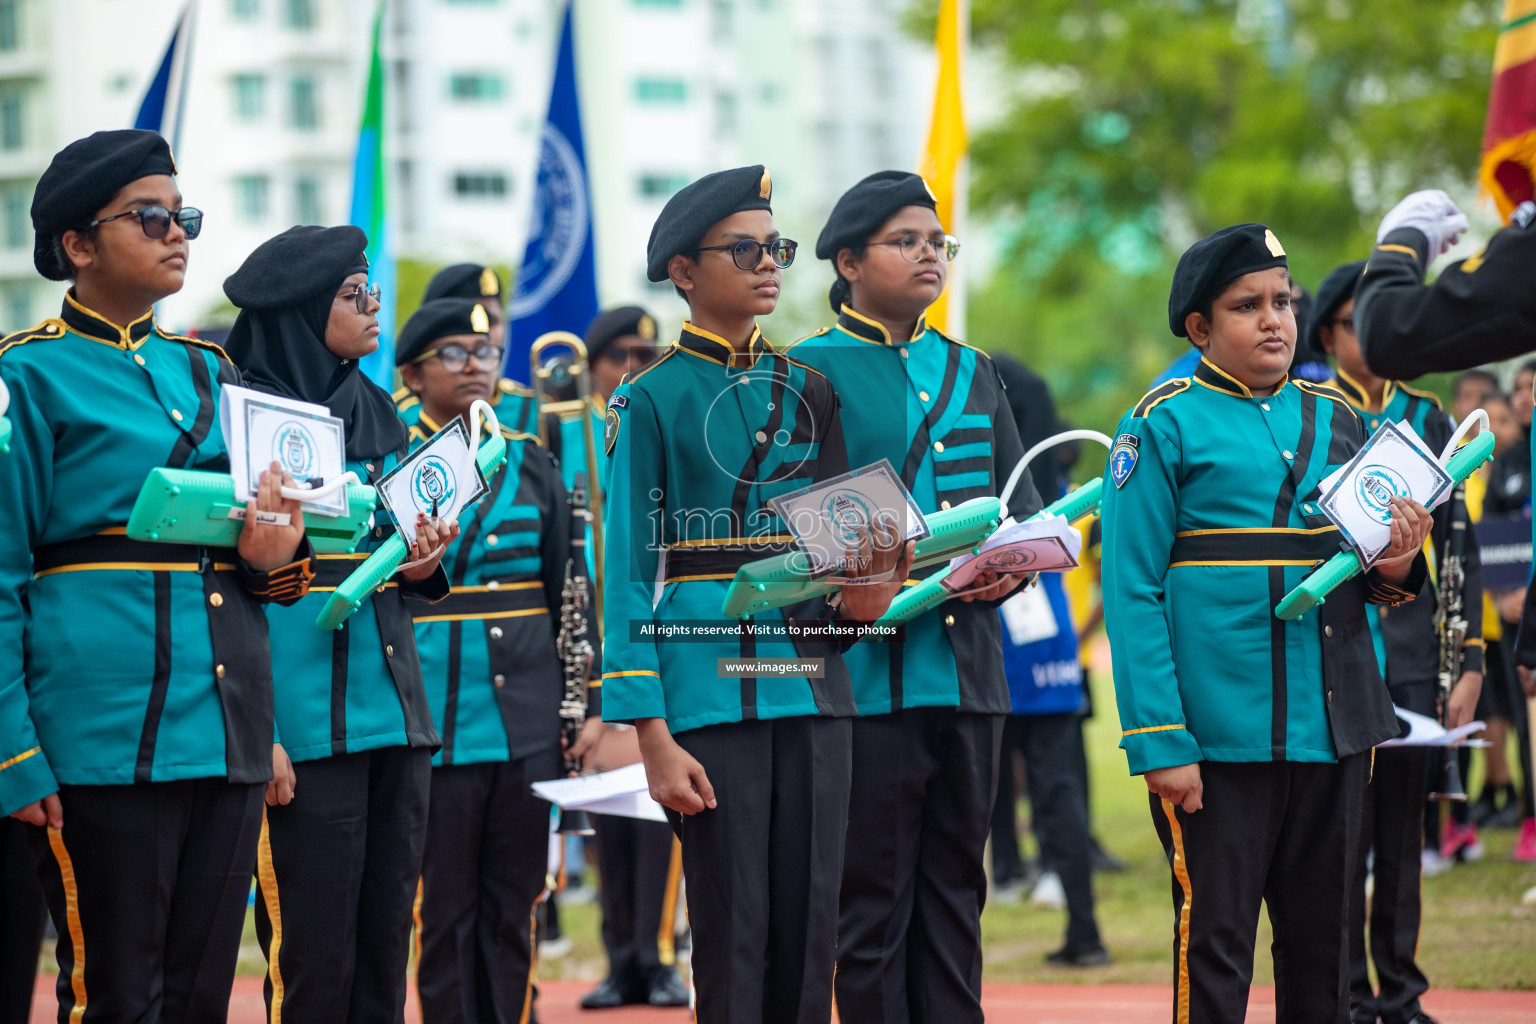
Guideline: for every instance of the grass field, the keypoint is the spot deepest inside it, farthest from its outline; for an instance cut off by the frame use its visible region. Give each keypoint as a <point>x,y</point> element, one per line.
<point>1476,933</point>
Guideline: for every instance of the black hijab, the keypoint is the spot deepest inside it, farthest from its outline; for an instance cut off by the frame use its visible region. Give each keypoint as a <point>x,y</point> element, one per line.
<point>278,341</point>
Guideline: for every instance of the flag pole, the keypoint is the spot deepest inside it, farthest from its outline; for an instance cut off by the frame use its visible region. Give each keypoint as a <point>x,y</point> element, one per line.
<point>944,155</point>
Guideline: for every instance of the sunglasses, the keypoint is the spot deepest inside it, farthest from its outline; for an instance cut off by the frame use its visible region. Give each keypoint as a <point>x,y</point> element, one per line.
<point>622,356</point>
<point>361,294</point>
<point>156,220</point>
<point>915,247</point>
<point>748,252</point>
<point>1346,322</point>
<point>456,357</point>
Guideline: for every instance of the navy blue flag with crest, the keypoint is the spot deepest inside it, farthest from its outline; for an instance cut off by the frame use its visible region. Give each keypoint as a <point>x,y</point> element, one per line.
<point>556,288</point>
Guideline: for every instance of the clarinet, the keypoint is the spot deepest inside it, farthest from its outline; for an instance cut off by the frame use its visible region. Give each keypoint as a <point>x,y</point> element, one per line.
<point>1451,626</point>
<point>575,651</point>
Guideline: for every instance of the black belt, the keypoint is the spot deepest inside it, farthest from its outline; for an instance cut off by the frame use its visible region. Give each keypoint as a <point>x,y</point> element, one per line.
<point>331,571</point>
<point>507,601</point>
<point>1265,547</point>
<point>719,561</point>
<point>113,551</point>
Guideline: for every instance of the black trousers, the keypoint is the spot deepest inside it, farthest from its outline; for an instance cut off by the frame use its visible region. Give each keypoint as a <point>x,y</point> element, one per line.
<point>483,875</point>
<point>1281,833</point>
<point>639,886</point>
<point>147,885</point>
<point>1058,799</point>
<point>763,867</point>
<point>23,918</point>
<point>914,877</point>
<point>1393,824</point>
<point>336,873</point>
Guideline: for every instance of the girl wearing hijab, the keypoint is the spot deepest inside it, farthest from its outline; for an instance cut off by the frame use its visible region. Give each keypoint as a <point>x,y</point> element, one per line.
<point>135,677</point>
<point>337,867</point>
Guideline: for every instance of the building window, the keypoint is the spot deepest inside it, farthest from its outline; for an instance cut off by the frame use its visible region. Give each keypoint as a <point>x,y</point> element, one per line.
<point>250,97</point>
<point>474,185</point>
<point>302,14</point>
<point>18,309</point>
<point>13,134</point>
<point>245,10</point>
<point>303,104</point>
<point>10,25</point>
<point>661,90</point>
<point>721,20</point>
<point>725,113</point>
<point>17,224</point>
<point>658,3</point>
<point>474,86</point>
<point>251,197</point>
<point>306,200</point>
<point>662,185</point>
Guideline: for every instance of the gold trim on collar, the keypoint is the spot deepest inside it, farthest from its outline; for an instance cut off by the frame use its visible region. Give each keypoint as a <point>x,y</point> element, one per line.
<point>1358,396</point>
<point>918,330</point>
<point>125,338</point>
<point>708,345</point>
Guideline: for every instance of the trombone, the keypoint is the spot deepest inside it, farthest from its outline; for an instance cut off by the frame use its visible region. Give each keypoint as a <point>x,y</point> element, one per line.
<point>566,369</point>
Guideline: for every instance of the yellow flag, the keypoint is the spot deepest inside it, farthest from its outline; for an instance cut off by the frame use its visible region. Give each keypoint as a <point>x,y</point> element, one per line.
<point>947,139</point>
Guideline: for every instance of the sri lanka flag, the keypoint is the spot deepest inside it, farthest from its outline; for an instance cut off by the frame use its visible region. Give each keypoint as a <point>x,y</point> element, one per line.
<point>1509,137</point>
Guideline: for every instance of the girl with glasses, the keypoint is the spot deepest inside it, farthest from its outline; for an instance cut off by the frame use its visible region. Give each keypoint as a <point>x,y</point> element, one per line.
<point>136,737</point>
<point>336,868</point>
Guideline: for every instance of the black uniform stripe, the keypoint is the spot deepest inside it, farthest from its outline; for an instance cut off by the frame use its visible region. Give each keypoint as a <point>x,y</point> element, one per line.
<point>749,472</point>
<point>1157,394</point>
<point>1340,434</point>
<point>456,628</point>
<point>188,441</point>
<point>339,655</point>
<point>921,440</point>
<point>1282,517</point>
<point>144,767</point>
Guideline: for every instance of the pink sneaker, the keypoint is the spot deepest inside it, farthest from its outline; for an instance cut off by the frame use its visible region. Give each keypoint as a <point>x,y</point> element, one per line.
<point>1525,846</point>
<point>1459,839</point>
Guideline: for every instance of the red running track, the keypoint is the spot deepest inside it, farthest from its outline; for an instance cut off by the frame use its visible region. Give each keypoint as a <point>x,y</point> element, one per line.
<point>1005,1004</point>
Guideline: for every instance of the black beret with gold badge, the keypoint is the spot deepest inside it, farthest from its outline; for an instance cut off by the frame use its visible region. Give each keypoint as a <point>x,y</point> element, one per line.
<point>83,178</point>
<point>1218,259</point>
<point>612,324</point>
<point>440,318</point>
<point>696,208</point>
<point>463,281</point>
<point>869,204</point>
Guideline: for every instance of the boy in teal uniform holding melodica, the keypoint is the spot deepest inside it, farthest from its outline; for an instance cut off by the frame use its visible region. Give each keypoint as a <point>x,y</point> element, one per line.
<point>1254,734</point>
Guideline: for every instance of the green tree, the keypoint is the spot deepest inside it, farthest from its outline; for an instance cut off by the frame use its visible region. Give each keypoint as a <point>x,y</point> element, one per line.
<point>1134,127</point>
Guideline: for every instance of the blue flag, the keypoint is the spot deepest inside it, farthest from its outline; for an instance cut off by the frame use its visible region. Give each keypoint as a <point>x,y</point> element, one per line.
<point>162,106</point>
<point>556,288</point>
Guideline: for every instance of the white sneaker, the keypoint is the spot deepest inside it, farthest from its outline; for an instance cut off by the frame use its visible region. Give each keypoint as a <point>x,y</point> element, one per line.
<point>1049,893</point>
<point>1472,852</point>
<point>1529,899</point>
<point>554,949</point>
<point>1009,892</point>
<point>1432,864</point>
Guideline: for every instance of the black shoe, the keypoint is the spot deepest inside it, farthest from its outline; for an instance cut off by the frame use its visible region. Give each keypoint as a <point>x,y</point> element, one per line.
<point>1100,859</point>
<point>1483,808</point>
<point>1066,956</point>
<point>607,996</point>
<point>667,989</point>
<point>1508,816</point>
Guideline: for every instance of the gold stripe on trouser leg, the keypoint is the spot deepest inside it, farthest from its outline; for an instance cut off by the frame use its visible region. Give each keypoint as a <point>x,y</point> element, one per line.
<point>1181,872</point>
<point>666,931</point>
<point>72,917</point>
<point>533,955</point>
<point>416,940</point>
<point>266,881</point>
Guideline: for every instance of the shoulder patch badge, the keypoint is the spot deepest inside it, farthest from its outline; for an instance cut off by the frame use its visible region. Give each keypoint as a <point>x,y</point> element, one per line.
<point>1122,458</point>
<point>610,430</point>
<point>618,402</point>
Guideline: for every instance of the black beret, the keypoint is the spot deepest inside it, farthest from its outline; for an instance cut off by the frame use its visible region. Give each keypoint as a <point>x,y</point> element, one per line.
<point>440,318</point>
<point>612,324</point>
<point>300,262</point>
<point>869,204</point>
<point>1337,288</point>
<point>463,281</point>
<point>83,178</point>
<point>696,208</point>
<point>1208,266</point>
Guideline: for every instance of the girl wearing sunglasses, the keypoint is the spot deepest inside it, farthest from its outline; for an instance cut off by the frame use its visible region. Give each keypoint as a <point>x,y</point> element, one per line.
<point>136,703</point>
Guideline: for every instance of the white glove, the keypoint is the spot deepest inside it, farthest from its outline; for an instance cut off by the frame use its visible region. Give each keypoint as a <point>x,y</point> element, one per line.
<point>1430,211</point>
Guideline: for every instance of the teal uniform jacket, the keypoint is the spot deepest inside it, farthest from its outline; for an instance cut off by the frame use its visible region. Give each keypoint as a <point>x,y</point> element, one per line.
<point>515,408</point>
<point>120,661</point>
<point>493,675</point>
<point>1407,646</point>
<point>936,409</point>
<point>358,687</point>
<point>699,442</point>
<point>1208,523</point>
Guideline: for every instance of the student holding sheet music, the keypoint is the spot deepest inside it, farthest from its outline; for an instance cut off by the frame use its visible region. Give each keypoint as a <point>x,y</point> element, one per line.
<point>136,683</point>
<point>931,708</point>
<point>494,683</point>
<point>1408,654</point>
<point>1254,734</point>
<point>337,867</point>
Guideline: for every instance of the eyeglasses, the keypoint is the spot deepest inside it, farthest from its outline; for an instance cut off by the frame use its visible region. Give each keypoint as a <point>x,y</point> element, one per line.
<point>361,295</point>
<point>456,357</point>
<point>156,220</point>
<point>914,247</point>
<point>1346,322</point>
<point>748,252</point>
<point>622,356</point>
